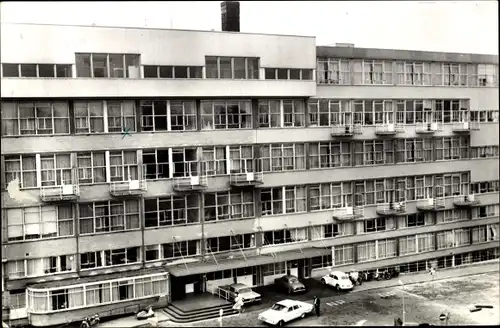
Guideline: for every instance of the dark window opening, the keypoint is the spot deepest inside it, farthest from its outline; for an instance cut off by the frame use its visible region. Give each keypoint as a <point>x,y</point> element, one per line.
<point>28,70</point>
<point>10,70</point>
<point>150,72</point>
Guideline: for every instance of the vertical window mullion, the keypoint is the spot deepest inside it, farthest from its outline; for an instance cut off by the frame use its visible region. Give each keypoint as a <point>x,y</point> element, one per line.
<point>124,68</point>
<point>283,198</point>
<point>246,69</point>
<point>218,67</point>
<point>18,70</point>
<point>54,70</point>
<point>92,65</point>
<point>37,70</point>
<point>232,68</point>
<point>107,66</point>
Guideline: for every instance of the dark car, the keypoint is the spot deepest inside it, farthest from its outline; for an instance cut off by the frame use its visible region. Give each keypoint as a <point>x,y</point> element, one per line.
<point>290,284</point>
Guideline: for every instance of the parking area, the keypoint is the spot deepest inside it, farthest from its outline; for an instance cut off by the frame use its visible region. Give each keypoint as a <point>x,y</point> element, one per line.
<point>270,294</point>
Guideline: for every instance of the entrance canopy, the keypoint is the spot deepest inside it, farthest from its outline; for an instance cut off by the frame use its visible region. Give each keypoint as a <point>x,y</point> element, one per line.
<point>191,268</point>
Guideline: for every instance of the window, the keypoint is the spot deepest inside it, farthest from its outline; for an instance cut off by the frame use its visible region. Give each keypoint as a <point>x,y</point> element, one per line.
<point>447,111</point>
<point>274,269</point>
<point>485,187</point>
<point>215,160</point>
<point>185,163</point>
<point>156,163</point>
<point>241,160</point>
<point>452,148</point>
<point>230,243</point>
<point>288,74</point>
<point>283,157</point>
<point>180,249</point>
<point>445,239</point>
<point>232,68</point>
<point>109,216</point>
<point>269,113</point>
<point>89,116</point>
<point>386,248</point>
<point>154,115</point>
<point>412,73</point>
<point>39,222</point>
<point>169,72</point>
<point>333,71</point>
<point>451,215</point>
<point>107,65</point>
<point>372,72</point>
<point>484,116</point>
<point>35,118</point>
<point>343,255</point>
<point>373,152</point>
<point>17,298</point>
<point>374,225</point>
<point>484,152</point>
<point>330,195</point>
<point>121,116</point>
<point>414,220</point>
<point>320,262</point>
<point>485,211</point>
<point>222,114</point>
<point>91,167</point>
<point>40,266</point>
<point>56,170</point>
<point>170,210</point>
<point>228,205</point>
<point>123,165</point>
<point>413,150</point>
<point>367,251</point>
<point>293,113</point>
<point>462,237</point>
<point>183,115</point>
<point>407,245</point>
<point>426,242</point>
<point>487,75</point>
<point>330,154</point>
<point>278,237</point>
<point>37,70</point>
<point>281,200</point>
<point>332,230</point>
<point>112,257</point>
<point>23,168</point>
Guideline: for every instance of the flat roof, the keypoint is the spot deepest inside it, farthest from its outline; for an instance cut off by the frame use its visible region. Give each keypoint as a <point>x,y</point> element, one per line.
<point>159,29</point>
<point>407,55</point>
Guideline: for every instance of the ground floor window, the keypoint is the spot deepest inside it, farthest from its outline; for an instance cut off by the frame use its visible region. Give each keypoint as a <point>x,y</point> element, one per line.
<point>274,269</point>
<point>92,294</point>
<point>343,255</point>
<point>319,262</point>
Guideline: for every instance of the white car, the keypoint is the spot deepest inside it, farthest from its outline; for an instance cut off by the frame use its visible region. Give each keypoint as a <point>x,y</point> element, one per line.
<point>285,311</point>
<point>337,279</point>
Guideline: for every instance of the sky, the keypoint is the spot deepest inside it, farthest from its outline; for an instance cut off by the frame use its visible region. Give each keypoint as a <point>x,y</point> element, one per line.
<point>450,26</point>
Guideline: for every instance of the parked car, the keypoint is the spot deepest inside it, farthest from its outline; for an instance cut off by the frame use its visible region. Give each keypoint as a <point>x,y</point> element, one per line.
<point>290,284</point>
<point>337,279</point>
<point>285,311</point>
<point>247,294</point>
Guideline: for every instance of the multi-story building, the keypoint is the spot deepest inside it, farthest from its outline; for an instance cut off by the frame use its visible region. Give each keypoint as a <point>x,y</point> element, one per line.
<point>145,164</point>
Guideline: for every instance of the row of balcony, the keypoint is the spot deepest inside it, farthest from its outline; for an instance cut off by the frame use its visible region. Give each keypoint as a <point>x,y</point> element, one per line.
<point>391,129</point>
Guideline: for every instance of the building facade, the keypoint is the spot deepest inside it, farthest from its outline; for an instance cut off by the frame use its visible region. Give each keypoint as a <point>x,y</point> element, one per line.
<point>171,162</point>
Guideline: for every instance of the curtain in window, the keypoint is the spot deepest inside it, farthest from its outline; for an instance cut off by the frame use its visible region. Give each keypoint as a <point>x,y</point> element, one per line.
<point>75,297</point>
<point>301,199</point>
<point>15,224</point>
<point>49,221</point>
<point>116,216</point>
<point>35,267</point>
<point>132,216</point>
<point>29,172</point>
<point>325,196</point>
<point>360,227</point>
<point>99,164</point>
<point>318,232</point>
<point>48,171</point>
<point>10,125</point>
<point>63,169</point>
<point>32,222</point>
<point>362,252</point>
<point>61,117</point>
<point>390,223</point>
<point>96,113</point>
<point>298,234</point>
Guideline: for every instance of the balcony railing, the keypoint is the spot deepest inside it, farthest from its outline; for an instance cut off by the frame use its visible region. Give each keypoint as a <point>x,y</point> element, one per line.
<point>430,204</point>
<point>348,213</point>
<point>466,201</point>
<point>246,172</point>
<point>427,128</point>
<point>346,130</point>
<point>127,188</point>
<point>69,192</point>
<point>392,209</point>
<point>387,129</point>
<point>465,127</point>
